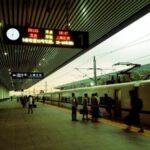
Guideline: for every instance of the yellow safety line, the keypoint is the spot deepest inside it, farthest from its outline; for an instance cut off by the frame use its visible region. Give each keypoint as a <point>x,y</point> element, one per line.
<point>108,122</point>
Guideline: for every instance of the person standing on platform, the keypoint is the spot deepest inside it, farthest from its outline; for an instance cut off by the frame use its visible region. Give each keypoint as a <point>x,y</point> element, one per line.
<point>108,102</point>
<point>74,103</point>
<point>85,106</point>
<point>43,98</point>
<point>17,99</point>
<point>95,108</point>
<point>92,106</point>
<point>134,116</point>
<point>30,104</point>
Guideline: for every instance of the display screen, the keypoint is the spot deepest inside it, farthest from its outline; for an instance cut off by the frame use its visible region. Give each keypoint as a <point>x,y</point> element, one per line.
<point>27,75</point>
<point>45,37</point>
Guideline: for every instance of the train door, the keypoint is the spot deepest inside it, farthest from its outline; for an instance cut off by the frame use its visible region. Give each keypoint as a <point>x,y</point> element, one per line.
<point>51,98</point>
<point>59,98</point>
<point>117,95</point>
<point>144,95</point>
<point>117,104</point>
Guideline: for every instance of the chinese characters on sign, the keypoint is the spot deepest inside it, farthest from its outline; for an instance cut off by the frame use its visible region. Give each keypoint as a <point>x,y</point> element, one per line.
<point>45,37</point>
<point>27,75</point>
<point>34,37</point>
<point>63,38</point>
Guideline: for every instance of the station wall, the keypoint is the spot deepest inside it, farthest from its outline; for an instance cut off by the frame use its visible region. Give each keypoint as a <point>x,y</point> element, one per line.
<point>4,93</point>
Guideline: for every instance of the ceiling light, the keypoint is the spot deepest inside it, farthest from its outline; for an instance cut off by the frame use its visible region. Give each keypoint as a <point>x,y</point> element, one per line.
<point>9,69</point>
<point>5,53</point>
<point>39,64</point>
<point>43,59</point>
<point>83,9</point>
<point>1,24</point>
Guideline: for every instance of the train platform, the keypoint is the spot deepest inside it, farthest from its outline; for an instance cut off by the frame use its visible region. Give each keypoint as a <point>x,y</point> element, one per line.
<point>51,128</point>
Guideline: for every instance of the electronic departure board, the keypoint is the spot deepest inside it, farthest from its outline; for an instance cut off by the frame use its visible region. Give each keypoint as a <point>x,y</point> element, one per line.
<point>45,37</point>
<point>27,75</point>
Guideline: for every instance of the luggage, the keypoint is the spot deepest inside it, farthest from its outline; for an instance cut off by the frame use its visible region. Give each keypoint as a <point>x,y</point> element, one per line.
<point>90,111</point>
<point>81,111</point>
<point>127,120</point>
<point>34,106</point>
<point>101,114</point>
<point>132,119</point>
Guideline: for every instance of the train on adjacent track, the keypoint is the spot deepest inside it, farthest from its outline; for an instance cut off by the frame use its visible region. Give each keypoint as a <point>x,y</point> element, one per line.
<point>118,92</point>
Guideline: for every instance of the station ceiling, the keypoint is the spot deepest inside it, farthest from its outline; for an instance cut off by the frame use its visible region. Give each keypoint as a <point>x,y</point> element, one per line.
<point>101,18</point>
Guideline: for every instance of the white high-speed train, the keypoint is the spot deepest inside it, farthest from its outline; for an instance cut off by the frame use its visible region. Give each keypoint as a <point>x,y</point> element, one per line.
<point>118,92</point>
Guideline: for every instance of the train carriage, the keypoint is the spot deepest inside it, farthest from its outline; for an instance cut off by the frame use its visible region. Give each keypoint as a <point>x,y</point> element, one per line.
<point>118,92</point>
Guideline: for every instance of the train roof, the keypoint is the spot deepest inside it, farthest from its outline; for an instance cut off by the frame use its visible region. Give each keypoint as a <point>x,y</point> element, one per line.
<point>135,83</point>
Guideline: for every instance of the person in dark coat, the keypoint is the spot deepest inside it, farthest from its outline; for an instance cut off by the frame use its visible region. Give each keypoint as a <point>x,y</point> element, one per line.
<point>133,118</point>
<point>43,99</point>
<point>74,103</point>
<point>108,102</point>
<point>95,107</point>
<point>30,104</point>
<point>85,106</point>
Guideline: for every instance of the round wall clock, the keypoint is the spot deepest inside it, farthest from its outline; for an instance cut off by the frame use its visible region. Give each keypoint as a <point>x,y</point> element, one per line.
<point>12,34</point>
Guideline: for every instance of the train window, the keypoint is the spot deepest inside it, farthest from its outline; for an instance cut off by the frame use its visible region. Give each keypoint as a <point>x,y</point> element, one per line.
<point>68,100</point>
<point>62,99</point>
<point>65,99</point>
<point>79,99</point>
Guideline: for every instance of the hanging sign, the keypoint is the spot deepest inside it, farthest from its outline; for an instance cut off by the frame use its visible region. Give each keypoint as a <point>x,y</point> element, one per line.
<point>27,75</point>
<point>45,37</point>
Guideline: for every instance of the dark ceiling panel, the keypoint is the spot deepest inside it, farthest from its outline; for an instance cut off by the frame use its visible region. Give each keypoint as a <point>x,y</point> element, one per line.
<point>20,12</point>
<point>101,18</point>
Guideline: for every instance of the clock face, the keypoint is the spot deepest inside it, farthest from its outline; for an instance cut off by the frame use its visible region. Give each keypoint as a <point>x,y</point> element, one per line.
<point>12,34</point>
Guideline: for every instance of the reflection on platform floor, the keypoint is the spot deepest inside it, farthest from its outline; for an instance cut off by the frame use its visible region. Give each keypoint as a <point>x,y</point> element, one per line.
<point>51,128</point>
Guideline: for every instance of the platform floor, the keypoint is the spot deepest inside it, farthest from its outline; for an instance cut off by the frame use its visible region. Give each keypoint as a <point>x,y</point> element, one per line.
<point>51,128</point>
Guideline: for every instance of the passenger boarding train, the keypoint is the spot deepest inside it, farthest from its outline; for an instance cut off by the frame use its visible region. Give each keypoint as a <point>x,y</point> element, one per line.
<point>118,92</point>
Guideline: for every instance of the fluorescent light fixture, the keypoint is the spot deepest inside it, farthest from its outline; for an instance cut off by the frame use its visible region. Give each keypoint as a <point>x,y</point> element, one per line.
<point>1,24</point>
<point>5,53</point>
